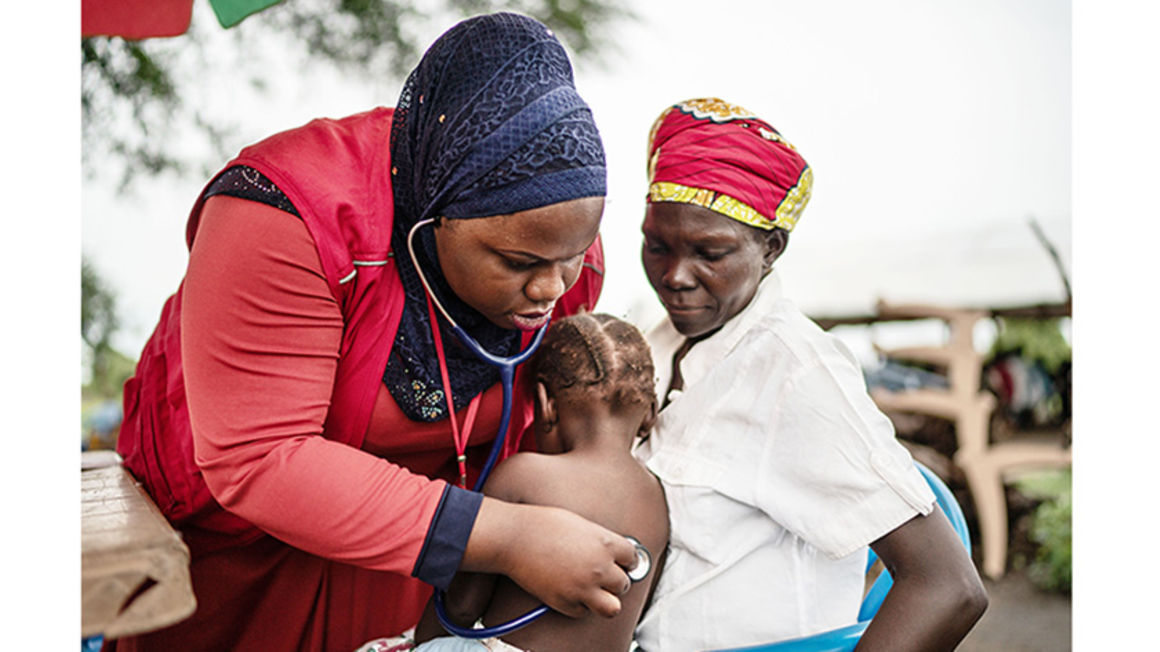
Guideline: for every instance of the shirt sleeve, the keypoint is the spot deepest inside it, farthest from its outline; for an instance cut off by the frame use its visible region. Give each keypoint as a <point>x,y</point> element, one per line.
<point>446,541</point>
<point>831,470</point>
<point>261,335</point>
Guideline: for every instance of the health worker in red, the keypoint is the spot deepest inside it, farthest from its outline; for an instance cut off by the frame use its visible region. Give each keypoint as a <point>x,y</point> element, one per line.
<point>305,414</point>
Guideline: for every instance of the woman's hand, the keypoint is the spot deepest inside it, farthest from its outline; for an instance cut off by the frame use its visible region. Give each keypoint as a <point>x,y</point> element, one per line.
<point>572,564</point>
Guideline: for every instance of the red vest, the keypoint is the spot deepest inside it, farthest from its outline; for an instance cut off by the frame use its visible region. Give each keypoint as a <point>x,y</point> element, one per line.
<point>337,175</point>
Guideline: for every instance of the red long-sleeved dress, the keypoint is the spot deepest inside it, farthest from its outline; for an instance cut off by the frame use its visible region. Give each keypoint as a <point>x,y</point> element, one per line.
<point>341,529</point>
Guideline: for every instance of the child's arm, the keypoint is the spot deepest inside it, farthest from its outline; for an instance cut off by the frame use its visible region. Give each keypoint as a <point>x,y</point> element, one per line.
<point>469,594</point>
<point>465,601</point>
<point>937,594</point>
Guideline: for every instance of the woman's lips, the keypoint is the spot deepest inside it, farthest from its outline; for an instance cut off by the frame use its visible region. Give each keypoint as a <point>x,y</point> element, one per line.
<point>681,310</point>
<point>530,321</point>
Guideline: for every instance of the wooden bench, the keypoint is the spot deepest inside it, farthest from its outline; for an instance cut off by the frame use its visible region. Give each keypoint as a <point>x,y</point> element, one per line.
<point>134,565</point>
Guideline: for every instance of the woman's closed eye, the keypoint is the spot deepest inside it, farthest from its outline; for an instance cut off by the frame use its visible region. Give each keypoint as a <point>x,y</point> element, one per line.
<point>654,248</point>
<point>713,255</point>
<point>524,263</point>
<point>520,264</point>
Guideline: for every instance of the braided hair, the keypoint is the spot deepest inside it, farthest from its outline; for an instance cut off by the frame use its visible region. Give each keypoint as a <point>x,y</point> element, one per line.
<point>596,354</point>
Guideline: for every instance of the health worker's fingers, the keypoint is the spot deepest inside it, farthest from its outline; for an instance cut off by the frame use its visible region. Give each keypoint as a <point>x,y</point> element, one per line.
<point>604,604</point>
<point>608,581</point>
<point>573,565</point>
<point>624,552</point>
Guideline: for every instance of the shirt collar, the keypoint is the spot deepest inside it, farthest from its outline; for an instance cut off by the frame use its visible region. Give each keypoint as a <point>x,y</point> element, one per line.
<point>709,351</point>
<point>666,339</point>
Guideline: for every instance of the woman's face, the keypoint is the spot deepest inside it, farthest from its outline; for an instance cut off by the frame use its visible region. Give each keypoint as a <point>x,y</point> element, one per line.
<point>704,267</point>
<point>513,268</point>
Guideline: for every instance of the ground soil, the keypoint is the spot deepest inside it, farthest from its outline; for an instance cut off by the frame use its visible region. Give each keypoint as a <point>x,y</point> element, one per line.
<point>1021,618</point>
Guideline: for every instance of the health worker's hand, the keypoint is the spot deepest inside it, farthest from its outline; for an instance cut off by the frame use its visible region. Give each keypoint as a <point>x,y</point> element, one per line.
<point>573,565</point>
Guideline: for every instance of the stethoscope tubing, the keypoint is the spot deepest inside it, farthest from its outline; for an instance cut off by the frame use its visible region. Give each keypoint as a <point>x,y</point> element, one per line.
<point>506,365</point>
<point>485,632</point>
<point>507,371</point>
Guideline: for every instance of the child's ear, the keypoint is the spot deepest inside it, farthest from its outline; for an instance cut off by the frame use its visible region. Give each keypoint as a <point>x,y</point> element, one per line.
<point>649,420</point>
<point>545,408</point>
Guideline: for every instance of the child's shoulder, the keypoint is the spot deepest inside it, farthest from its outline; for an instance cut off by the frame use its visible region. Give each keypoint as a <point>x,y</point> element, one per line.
<point>542,478</point>
<point>511,478</point>
<point>521,462</point>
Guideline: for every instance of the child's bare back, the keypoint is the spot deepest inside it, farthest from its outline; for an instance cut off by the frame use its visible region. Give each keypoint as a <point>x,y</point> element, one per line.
<point>619,494</point>
<point>594,394</point>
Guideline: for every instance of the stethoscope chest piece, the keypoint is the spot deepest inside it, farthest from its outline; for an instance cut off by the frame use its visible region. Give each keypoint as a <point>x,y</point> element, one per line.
<point>643,561</point>
<point>506,366</point>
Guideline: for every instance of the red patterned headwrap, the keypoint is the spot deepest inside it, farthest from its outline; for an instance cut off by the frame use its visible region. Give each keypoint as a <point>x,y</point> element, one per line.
<point>717,155</point>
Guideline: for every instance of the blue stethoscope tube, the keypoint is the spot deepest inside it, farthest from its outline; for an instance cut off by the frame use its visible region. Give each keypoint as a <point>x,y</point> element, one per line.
<point>507,371</point>
<point>506,366</point>
<point>643,564</point>
<point>485,632</point>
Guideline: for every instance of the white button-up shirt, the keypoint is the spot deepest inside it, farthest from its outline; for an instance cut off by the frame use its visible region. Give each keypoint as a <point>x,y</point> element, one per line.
<point>778,470</point>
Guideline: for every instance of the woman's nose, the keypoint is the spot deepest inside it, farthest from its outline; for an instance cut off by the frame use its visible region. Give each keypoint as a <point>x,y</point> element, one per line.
<point>547,285</point>
<point>679,276</point>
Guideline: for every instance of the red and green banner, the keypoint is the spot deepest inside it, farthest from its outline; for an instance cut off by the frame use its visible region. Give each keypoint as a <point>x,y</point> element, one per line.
<point>135,19</point>
<point>139,19</point>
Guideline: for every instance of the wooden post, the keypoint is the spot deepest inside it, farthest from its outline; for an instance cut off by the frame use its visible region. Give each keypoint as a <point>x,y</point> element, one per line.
<point>983,463</point>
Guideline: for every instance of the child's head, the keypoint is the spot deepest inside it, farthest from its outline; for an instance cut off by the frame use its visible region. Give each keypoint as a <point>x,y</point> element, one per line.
<point>596,357</point>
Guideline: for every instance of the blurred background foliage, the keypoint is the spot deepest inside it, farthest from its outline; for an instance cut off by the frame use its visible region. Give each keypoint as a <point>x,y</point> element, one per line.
<point>1049,530</point>
<point>1038,340</point>
<point>134,92</point>
<point>1029,369</point>
<point>139,97</point>
<point>106,368</point>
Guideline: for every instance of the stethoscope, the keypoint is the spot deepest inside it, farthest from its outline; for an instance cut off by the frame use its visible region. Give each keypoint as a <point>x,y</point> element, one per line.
<point>507,370</point>
<point>506,366</point>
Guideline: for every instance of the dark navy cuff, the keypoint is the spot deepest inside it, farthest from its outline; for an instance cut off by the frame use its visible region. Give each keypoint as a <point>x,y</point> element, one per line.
<point>447,537</point>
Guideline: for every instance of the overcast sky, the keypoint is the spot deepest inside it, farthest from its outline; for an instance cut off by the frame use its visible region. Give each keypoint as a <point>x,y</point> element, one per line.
<point>935,130</point>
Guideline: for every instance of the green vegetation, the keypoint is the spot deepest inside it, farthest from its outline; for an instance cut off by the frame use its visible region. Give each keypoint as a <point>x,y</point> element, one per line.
<point>1038,340</point>
<point>133,93</point>
<point>104,368</point>
<point>107,368</point>
<point>1038,347</point>
<point>1050,568</point>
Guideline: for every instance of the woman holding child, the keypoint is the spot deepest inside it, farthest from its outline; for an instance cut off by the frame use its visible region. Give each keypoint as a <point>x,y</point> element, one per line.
<point>304,415</point>
<point>778,468</point>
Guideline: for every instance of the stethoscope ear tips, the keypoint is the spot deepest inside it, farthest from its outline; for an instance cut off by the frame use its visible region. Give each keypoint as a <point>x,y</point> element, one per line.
<point>643,561</point>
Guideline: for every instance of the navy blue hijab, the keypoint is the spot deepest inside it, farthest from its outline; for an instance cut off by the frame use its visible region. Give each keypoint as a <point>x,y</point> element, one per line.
<point>489,123</point>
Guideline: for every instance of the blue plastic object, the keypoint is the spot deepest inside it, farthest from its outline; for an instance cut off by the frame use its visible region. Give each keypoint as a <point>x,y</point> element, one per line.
<point>92,643</point>
<point>845,638</point>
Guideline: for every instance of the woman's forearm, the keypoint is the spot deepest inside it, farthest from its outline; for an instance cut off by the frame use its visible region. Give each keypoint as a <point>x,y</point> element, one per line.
<point>937,594</point>
<point>917,616</point>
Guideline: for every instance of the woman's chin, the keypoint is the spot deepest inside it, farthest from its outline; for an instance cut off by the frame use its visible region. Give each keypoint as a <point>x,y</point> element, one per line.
<point>689,325</point>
